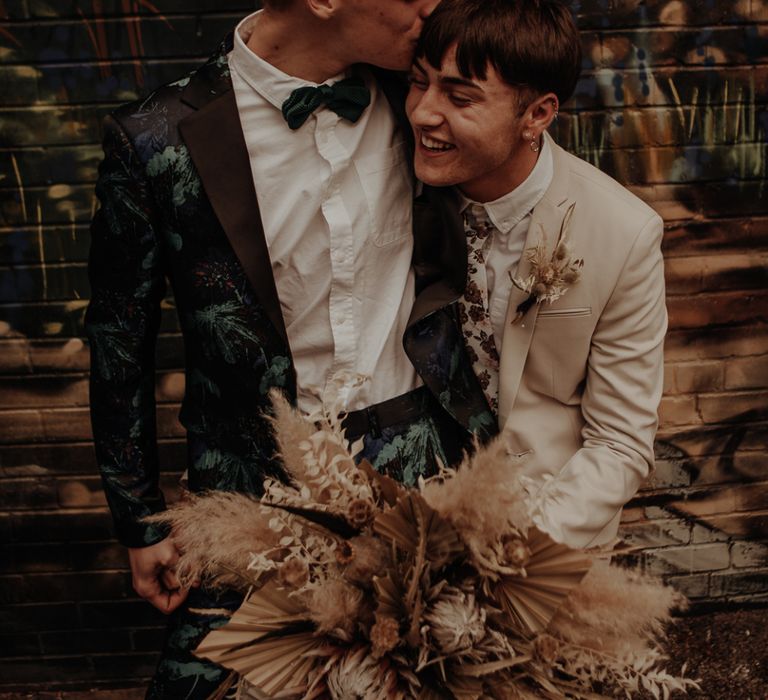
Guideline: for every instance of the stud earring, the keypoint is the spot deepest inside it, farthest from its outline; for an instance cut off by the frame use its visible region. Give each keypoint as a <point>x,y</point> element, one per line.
<point>527,135</point>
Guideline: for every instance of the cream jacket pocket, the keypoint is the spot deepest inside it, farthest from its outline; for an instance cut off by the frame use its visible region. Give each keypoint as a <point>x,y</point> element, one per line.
<point>565,313</point>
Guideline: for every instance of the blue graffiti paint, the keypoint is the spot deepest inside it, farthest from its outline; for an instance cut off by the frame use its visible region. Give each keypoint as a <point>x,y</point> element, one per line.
<point>643,74</point>
<point>704,37</point>
<point>52,55</point>
<point>16,248</point>
<point>586,86</point>
<point>762,119</point>
<point>753,46</point>
<point>618,87</point>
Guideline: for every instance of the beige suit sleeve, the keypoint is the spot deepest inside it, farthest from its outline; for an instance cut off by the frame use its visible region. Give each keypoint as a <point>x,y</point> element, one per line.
<point>620,404</point>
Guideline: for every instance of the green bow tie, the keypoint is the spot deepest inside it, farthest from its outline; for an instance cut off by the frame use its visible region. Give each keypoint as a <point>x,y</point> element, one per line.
<point>348,98</point>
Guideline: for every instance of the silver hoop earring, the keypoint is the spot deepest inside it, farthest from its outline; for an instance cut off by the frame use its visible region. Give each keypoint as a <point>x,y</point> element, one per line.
<point>535,145</point>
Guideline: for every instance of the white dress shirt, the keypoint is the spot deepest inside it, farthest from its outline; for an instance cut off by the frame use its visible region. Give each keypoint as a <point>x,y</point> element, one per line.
<point>336,205</point>
<point>511,218</point>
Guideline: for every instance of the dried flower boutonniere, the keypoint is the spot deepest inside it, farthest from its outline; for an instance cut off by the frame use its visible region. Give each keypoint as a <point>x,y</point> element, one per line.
<point>549,278</point>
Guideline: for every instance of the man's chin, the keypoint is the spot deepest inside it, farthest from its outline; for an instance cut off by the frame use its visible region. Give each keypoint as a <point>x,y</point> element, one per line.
<point>435,177</point>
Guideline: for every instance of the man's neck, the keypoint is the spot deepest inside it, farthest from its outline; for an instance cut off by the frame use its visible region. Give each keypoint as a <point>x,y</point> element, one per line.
<point>306,53</point>
<point>498,183</point>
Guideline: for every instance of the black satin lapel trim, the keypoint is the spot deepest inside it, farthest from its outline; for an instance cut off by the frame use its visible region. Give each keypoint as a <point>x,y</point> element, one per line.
<point>215,141</point>
<point>212,78</point>
<point>443,248</point>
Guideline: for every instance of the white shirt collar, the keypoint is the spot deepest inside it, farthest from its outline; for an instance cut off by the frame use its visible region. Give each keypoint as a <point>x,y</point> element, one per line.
<point>270,82</point>
<point>509,209</point>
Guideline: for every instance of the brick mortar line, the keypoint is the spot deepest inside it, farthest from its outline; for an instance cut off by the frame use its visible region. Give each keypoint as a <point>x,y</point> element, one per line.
<point>59,409</point>
<point>191,58</point>
<point>58,265</point>
<point>68,574</point>
<point>752,391</point>
<point>689,185</point>
<point>107,19</point>
<point>75,374</point>
<point>692,222</point>
<point>692,489</point>
<point>714,293</point>
<point>584,25</point>
<point>40,148</point>
<point>169,17</point>
<point>607,110</point>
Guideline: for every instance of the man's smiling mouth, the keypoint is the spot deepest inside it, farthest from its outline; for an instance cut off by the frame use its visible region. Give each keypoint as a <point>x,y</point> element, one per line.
<point>435,145</point>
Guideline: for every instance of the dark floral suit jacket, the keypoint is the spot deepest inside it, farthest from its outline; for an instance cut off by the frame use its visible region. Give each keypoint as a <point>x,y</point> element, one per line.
<point>178,204</point>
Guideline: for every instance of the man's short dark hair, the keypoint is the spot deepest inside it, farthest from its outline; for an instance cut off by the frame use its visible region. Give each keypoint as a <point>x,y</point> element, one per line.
<point>534,45</point>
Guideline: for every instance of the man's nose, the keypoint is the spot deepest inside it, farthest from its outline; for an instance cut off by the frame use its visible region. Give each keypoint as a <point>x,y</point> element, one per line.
<point>425,112</point>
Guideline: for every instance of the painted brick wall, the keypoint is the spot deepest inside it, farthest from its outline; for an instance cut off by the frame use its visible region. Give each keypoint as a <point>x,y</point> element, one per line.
<point>673,102</point>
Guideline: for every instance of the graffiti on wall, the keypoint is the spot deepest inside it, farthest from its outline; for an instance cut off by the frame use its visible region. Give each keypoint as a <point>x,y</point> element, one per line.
<point>673,102</point>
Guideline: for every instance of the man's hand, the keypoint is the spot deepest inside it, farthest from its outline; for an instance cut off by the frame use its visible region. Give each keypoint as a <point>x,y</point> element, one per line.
<point>154,578</point>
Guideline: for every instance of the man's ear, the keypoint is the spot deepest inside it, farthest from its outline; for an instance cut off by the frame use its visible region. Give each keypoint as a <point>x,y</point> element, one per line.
<point>541,113</point>
<point>323,9</point>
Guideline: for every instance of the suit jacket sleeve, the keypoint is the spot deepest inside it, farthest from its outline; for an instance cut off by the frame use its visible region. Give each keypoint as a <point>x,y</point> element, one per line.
<point>127,286</point>
<point>620,403</point>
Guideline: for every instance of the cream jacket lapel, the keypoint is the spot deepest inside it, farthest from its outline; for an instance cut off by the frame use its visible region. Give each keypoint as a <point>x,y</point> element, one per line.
<point>546,220</point>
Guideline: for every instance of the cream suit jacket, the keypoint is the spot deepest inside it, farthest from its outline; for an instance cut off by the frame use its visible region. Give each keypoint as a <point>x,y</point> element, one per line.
<point>581,378</point>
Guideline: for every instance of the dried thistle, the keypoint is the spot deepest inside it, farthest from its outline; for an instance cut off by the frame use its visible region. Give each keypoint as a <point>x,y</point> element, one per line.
<point>385,635</point>
<point>360,512</point>
<point>345,554</point>
<point>546,648</point>
<point>456,622</point>
<point>357,676</point>
<point>516,552</point>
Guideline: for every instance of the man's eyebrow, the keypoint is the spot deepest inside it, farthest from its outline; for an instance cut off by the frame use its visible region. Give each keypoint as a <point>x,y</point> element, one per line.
<point>456,80</point>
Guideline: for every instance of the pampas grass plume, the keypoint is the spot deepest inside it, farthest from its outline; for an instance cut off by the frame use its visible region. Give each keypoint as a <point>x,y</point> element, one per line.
<point>483,498</point>
<point>215,535</point>
<point>291,429</point>
<point>616,610</point>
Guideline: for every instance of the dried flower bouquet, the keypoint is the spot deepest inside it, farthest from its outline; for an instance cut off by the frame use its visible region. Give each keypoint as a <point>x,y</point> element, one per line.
<point>360,588</point>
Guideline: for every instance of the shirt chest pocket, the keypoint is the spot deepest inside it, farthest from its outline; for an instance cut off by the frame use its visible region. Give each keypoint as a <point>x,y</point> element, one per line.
<point>386,183</point>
